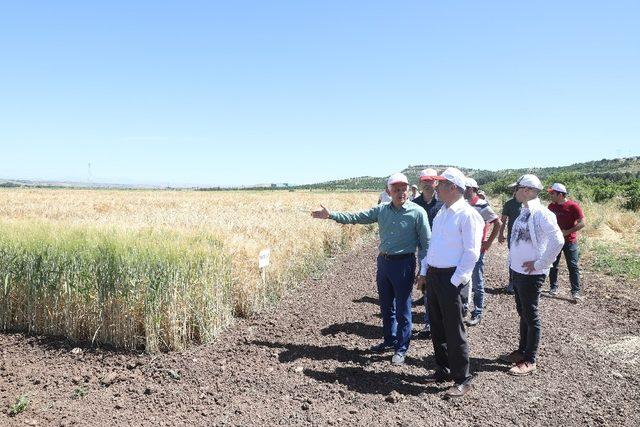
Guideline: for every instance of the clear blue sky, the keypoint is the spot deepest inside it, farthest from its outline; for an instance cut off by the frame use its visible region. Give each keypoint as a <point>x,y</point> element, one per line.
<point>243,92</point>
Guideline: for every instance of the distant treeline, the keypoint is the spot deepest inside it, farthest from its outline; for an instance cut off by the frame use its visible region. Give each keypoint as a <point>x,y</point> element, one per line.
<point>594,187</point>
<point>599,180</point>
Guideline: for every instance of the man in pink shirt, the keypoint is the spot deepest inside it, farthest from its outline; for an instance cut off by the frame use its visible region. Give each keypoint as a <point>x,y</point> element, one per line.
<point>570,220</point>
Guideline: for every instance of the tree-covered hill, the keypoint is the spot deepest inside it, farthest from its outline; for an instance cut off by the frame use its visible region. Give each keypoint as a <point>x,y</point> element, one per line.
<point>597,180</point>
<point>608,169</point>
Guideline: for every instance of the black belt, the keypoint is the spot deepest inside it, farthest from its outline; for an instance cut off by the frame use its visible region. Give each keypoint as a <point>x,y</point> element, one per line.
<point>399,256</point>
<point>441,270</point>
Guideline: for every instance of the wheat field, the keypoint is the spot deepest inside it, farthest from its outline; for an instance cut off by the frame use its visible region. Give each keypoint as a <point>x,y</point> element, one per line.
<point>157,270</point>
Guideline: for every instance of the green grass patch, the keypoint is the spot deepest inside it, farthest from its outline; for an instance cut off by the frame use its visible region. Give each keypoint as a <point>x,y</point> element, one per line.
<point>617,261</point>
<point>20,406</point>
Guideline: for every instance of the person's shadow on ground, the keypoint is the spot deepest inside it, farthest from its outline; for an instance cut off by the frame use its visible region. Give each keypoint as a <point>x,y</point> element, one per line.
<point>366,299</point>
<point>363,357</point>
<point>363,381</point>
<point>368,382</point>
<point>363,330</point>
<point>292,352</point>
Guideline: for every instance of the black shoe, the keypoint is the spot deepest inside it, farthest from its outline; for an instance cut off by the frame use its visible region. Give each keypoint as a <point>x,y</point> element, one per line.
<point>439,376</point>
<point>553,292</point>
<point>475,320</point>
<point>381,348</point>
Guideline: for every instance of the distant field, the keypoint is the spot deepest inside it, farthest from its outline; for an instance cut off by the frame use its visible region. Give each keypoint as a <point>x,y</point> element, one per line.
<point>611,240</point>
<point>156,269</point>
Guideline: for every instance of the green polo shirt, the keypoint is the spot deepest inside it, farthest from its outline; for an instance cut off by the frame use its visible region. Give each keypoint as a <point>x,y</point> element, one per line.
<point>401,230</point>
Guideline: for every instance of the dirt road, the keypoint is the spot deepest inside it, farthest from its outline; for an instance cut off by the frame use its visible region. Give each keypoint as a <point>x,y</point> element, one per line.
<point>305,362</point>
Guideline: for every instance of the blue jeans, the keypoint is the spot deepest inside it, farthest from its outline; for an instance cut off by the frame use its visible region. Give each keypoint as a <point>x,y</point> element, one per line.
<point>477,287</point>
<point>527,295</point>
<point>395,282</point>
<point>572,256</point>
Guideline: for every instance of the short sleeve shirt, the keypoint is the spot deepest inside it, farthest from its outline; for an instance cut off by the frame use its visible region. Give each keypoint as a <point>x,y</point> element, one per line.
<point>485,211</point>
<point>511,210</point>
<point>567,215</point>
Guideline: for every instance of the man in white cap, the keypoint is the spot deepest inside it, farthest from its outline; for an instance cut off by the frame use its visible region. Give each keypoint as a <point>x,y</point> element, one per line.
<point>570,220</point>
<point>490,218</point>
<point>414,191</point>
<point>428,199</point>
<point>384,197</point>
<point>403,227</point>
<point>536,241</point>
<point>430,203</point>
<point>446,270</point>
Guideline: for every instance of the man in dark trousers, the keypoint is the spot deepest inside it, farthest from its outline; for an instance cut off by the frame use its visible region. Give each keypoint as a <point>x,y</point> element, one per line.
<point>403,227</point>
<point>570,220</point>
<point>446,270</point>
<point>430,203</point>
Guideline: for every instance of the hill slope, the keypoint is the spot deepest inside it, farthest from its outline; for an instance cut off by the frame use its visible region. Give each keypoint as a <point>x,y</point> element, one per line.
<point>611,170</point>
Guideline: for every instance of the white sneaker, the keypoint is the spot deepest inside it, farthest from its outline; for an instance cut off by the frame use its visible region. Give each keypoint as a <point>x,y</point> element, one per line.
<point>398,358</point>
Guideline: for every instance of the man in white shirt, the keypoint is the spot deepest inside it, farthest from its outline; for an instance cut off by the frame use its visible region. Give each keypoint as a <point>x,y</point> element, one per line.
<point>414,192</point>
<point>446,270</point>
<point>384,197</point>
<point>536,241</point>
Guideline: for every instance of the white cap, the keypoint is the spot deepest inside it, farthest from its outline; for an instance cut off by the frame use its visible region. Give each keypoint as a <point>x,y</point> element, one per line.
<point>557,187</point>
<point>471,183</point>
<point>414,186</point>
<point>454,175</point>
<point>427,174</point>
<point>529,180</point>
<point>397,177</point>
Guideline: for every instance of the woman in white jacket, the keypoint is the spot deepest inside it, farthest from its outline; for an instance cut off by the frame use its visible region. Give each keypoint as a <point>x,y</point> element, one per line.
<point>536,241</point>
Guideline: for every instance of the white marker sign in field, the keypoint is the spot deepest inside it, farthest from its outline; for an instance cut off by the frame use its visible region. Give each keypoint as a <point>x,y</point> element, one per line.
<point>263,258</point>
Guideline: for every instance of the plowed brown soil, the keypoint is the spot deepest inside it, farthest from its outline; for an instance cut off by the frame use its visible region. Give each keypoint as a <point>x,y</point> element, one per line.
<point>304,362</point>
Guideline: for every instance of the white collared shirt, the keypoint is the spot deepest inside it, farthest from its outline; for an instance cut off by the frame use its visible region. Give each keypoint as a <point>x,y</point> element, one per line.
<point>455,241</point>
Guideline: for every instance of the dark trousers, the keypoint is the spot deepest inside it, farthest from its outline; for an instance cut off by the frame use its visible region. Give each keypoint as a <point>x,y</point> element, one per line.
<point>527,294</point>
<point>510,285</point>
<point>448,332</point>
<point>395,281</point>
<point>572,256</point>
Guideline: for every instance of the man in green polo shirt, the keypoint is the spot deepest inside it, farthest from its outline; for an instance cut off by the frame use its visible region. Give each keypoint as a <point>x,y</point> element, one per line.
<point>403,227</point>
